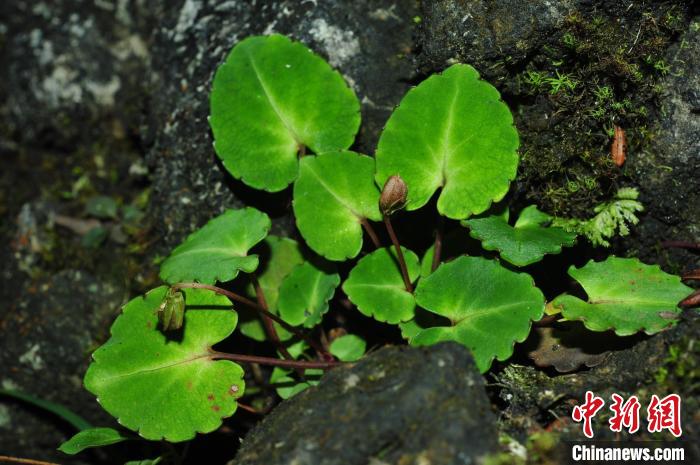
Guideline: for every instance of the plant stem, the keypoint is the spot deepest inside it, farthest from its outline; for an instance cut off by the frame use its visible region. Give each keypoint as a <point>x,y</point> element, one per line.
<point>238,298</point>
<point>545,321</point>
<point>692,275</point>
<point>6,458</point>
<point>250,409</point>
<point>693,300</point>
<point>399,254</point>
<point>437,248</point>
<point>681,244</point>
<point>370,232</point>
<point>276,362</point>
<point>267,321</point>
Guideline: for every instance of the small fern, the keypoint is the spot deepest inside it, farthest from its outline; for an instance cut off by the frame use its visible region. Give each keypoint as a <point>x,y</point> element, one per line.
<point>611,217</point>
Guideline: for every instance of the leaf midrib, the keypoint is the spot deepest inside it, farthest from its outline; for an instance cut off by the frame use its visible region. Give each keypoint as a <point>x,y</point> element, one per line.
<point>222,250</point>
<point>157,368</point>
<point>473,314</point>
<point>271,100</point>
<point>630,301</point>
<point>333,194</point>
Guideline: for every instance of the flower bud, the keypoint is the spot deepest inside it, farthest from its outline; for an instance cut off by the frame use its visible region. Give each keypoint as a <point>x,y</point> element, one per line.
<point>171,313</point>
<point>393,196</point>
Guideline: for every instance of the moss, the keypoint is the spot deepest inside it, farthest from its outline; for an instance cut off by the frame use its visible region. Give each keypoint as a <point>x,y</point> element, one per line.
<point>597,75</point>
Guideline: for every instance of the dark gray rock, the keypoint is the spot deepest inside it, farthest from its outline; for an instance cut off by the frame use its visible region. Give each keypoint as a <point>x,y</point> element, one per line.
<point>366,40</point>
<point>47,337</point>
<point>399,405</point>
<point>487,34</point>
<point>68,65</point>
<point>668,171</point>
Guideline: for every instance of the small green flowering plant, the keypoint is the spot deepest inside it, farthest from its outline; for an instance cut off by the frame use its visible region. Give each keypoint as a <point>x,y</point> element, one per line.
<point>281,115</point>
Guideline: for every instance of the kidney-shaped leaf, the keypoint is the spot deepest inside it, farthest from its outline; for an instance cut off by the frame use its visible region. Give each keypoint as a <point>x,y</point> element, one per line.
<point>167,388</point>
<point>524,243</point>
<point>92,437</point>
<point>451,131</point>
<point>348,348</point>
<point>626,295</point>
<point>218,250</point>
<point>305,293</point>
<point>490,307</point>
<point>334,193</point>
<point>375,285</point>
<point>271,97</point>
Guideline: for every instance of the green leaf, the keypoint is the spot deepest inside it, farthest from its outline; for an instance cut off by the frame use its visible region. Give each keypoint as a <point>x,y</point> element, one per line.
<point>612,217</point>
<point>451,131</point>
<point>287,387</point>
<point>93,437</point>
<point>375,285</point>
<point>422,320</point>
<point>102,206</point>
<point>95,237</point>
<point>282,256</point>
<point>71,417</point>
<point>626,295</point>
<point>525,243</point>
<point>348,348</point>
<point>305,293</point>
<point>272,96</point>
<point>332,196</point>
<point>167,388</point>
<point>218,250</point>
<point>490,307</point>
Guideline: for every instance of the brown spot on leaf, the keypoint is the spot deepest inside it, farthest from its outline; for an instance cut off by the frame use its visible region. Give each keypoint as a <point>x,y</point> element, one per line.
<point>210,397</point>
<point>215,408</point>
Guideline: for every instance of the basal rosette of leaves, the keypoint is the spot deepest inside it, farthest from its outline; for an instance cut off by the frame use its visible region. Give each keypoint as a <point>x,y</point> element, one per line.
<point>280,115</point>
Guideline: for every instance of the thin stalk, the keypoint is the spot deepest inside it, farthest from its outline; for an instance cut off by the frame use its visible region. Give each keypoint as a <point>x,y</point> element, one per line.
<point>250,409</point>
<point>276,362</point>
<point>7,458</point>
<point>692,275</point>
<point>693,300</point>
<point>267,321</point>
<point>370,232</point>
<point>545,321</point>
<point>399,254</point>
<point>245,301</point>
<point>437,248</point>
